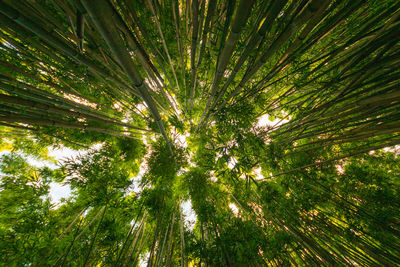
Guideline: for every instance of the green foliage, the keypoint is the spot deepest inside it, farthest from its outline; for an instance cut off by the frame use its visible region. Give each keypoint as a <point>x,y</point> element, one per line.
<point>98,176</point>
<point>168,123</point>
<point>24,210</point>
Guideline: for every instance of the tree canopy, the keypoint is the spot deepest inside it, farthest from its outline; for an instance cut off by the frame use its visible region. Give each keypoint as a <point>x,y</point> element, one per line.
<point>274,123</point>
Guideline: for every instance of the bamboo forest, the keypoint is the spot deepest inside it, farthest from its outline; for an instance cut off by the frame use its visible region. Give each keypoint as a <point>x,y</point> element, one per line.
<point>199,133</point>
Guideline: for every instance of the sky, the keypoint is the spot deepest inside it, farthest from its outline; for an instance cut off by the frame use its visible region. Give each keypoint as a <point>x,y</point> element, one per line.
<point>57,190</point>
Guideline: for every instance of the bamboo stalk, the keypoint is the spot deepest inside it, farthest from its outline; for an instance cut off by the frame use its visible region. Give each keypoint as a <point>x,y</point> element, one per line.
<point>94,238</point>
<point>134,241</point>
<point>183,249</point>
<point>242,13</point>
<point>99,13</point>
<point>163,42</point>
<point>195,29</point>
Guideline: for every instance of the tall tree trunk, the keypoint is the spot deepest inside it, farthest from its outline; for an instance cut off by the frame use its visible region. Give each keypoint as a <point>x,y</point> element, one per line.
<point>94,238</point>
<point>99,12</point>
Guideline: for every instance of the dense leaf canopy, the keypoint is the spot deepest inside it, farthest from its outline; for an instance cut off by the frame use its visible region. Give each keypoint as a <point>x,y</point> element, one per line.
<point>210,132</point>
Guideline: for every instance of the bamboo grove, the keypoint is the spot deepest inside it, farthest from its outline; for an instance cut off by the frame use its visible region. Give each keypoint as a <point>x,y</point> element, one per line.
<point>175,92</point>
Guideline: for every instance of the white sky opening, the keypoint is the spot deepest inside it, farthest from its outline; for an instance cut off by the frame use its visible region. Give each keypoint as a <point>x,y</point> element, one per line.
<point>136,180</point>
<point>136,186</point>
<point>232,162</point>
<point>143,259</point>
<point>258,173</point>
<point>340,169</point>
<point>264,121</point>
<point>234,209</point>
<point>180,139</point>
<point>213,178</point>
<point>189,215</point>
<point>117,106</point>
<point>80,100</point>
<point>218,156</point>
<point>394,149</point>
<point>141,107</point>
<point>57,191</point>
